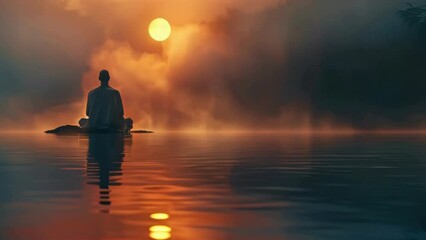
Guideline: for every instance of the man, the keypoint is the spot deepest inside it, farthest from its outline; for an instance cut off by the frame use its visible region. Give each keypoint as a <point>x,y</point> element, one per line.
<point>105,109</point>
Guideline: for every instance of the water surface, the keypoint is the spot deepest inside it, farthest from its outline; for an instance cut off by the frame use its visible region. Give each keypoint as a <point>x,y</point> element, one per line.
<point>212,186</point>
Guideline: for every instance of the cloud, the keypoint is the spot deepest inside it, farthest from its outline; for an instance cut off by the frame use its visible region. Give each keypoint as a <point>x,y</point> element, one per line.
<point>228,64</point>
<point>44,53</point>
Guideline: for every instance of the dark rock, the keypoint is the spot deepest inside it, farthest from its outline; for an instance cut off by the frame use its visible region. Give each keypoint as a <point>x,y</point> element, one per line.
<point>75,130</point>
<point>67,129</point>
<point>142,131</point>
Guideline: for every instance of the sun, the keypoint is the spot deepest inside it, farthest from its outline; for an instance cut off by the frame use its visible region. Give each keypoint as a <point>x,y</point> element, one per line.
<point>160,29</point>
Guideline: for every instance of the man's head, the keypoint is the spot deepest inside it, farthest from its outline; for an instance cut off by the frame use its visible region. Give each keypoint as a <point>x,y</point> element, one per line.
<point>104,76</point>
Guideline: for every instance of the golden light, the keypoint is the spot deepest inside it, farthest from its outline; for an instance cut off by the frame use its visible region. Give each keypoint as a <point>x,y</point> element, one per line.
<point>160,228</point>
<point>160,29</point>
<point>160,235</point>
<point>160,216</point>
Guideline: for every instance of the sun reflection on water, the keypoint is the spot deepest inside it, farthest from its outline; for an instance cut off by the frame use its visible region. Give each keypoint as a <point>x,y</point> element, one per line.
<point>160,228</point>
<point>160,232</point>
<point>160,216</point>
<point>160,235</point>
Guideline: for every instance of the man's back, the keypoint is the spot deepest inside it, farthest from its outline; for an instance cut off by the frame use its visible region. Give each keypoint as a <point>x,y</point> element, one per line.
<point>105,109</point>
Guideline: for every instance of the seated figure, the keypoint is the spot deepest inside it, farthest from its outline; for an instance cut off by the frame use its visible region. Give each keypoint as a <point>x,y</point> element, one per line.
<point>105,109</point>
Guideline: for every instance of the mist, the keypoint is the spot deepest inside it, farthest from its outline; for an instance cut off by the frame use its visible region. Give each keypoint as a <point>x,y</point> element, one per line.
<point>263,65</point>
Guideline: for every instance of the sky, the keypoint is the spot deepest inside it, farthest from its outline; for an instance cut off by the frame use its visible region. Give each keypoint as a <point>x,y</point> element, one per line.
<point>241,64</point>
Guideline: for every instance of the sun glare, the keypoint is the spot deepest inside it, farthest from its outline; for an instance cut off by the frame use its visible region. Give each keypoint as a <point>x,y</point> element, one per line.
<point>159,216</point>
<point>160,29</point>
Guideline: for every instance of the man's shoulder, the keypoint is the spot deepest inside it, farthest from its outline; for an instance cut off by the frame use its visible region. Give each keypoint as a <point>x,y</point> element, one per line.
<point>94,91</point>
<point>112,90</point>
<point>103,89</point>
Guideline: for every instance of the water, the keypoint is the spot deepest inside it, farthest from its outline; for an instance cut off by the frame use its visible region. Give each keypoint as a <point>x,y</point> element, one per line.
<point>213,186</point>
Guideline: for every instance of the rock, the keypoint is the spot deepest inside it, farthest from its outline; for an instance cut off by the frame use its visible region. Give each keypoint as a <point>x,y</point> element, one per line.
<point>67,129</point>
<point>142,131</point>
<point>71,130</point>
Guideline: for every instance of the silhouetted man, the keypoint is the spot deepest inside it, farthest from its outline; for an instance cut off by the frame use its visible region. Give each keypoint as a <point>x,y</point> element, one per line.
<point>105,109</point>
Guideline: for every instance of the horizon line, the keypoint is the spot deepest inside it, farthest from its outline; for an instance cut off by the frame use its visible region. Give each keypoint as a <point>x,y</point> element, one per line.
<point>419,131</point>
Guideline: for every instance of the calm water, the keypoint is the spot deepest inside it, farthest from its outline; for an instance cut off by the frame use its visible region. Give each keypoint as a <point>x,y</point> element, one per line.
<point>212,186</point>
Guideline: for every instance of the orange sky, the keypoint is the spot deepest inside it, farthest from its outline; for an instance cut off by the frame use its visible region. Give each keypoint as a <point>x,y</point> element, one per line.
<point>241,64</point>
<point>143,70</point>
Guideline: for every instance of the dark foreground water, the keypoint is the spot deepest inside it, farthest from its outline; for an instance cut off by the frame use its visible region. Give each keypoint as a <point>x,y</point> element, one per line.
<point>212,186</point>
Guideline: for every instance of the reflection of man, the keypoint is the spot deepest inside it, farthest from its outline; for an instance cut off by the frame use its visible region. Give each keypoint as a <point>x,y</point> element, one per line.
<point>104,158</point>
<point>105,109</point>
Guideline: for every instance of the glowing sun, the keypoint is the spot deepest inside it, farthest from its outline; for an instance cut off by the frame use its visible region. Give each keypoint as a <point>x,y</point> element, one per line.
<point>160,29</point>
